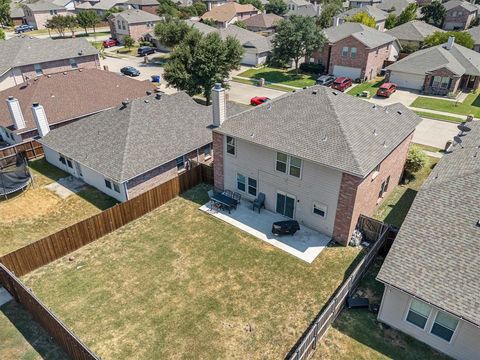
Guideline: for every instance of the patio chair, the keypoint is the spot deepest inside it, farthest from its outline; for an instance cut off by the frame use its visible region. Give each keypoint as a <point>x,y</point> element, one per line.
<point>228,193</point>
<point>210,194</point>
<point>259,202</point>
<point>237,197</point>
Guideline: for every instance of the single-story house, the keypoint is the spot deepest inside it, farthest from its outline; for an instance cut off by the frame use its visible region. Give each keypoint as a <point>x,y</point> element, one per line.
<point>356,51</point>
<point>55,93</point>
<point>379,15</point>
<point>26,58</point>
<point>459,15</point>
<point>229,13</point>
<point>133,23</point>
<point>394,7</point>
<point>475,33</point>
<point>362,3</point>
<point>135,146</point>
<point>150,6</point>
<point>321,157</point>
<point>413,33</point>
<point>38,13</point>
<point>431,271</point>
<point>438,70</point>
<point>265,23</point>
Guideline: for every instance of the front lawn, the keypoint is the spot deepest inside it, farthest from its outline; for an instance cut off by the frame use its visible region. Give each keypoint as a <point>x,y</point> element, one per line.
<point>133,51</point>
<point>179,283</point>
<point>281,76</point>
<point>255,83</point>
<point>471,105</point>
<point>38,212</point>
<point>370,86</point>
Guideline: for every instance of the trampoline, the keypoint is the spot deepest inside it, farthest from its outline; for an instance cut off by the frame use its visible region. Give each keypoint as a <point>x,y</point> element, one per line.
<point>14,178</point>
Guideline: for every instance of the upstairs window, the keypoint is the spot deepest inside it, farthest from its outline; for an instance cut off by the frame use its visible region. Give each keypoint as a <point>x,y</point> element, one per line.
<point>444,326</point>
<point>345,51</point>
<point>295,166</point>
<point>108,184</point>
<point>282,160</point>
<point>207,151</point>
<point>287,164</point>
<point>353,52</point>
<point>384,187</point>
<point>231,146</point>
<point>418,313</point>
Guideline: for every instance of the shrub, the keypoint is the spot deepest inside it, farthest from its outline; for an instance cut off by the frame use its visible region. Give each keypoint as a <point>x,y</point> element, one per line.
<point>416,159</point>
<point>312,68</point>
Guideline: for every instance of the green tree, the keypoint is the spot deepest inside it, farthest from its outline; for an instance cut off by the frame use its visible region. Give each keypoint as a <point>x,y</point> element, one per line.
<point>171,32</point>
<point>71,23</point>
<point>391,21</point>
<point>88,19</point>
<point>278,7</point>
<point>296,37</point>
<point>416,160</point>
<point>408,14</point>
<point>461,38</point>
<point>167,8</point>
<point>200,8</point>
<point>199,62</point>
<point>209,22</point>
<point>330,10</point>
<point>241,24</point>
<point>57,23</point>
<point>128,42</point>
<point>257,3</point>
<point>5,13</point>
<point>111,11</point>
<point>433,13</point>
<point>363,18</point>
<point>2,34</point>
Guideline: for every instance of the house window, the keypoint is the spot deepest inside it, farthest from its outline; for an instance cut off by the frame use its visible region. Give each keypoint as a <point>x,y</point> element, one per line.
<point>241,182</point>
<point>231,147</point>
<point>353,52</point>
<point>376,51</point>
<point>181,163</point>
<point>252,186</point>
<point>319,209</point>
<point>384,187</point>
<point>73,63</point>
<point>61,159</point>
<point>376,171</point>
<point>441,82</point>
<point>124,26</point>
<point>444,326</point>
<point>69,163</point>
<point>116,187</point>
<point>207,151</point>
<point>295,166</point>
<point>282,160</point>
<point>418,313</point>
<point>345,51</point>
<point>286,162</point>
<point>119,24</point>
<point>108,183</point>
<point>38,69</point>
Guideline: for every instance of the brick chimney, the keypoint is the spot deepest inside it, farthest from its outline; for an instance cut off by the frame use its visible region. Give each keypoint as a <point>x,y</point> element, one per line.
<point>40,118</point>
<point>16,113</point>
<point>218,105</point>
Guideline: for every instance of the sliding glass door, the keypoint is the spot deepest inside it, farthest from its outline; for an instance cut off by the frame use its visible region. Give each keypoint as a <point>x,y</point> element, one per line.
<point>286,204</point>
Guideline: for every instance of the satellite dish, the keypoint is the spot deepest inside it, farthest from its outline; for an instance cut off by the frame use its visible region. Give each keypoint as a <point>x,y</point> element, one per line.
<point>463,128</point>
<point>457,139</point>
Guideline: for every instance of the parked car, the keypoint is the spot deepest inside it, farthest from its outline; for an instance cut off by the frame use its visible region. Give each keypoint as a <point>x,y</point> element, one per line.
<point>386,89</point>
<point>109,43</point>
<point>258,100</point>
<point>342,83</point>
<point>145,50</point>
<point>326,80</point>
<point>130,71</point>
<point>23,28</point>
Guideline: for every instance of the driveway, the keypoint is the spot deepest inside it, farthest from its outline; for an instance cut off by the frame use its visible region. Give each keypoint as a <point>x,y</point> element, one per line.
<point>400,96</point>
<point>242,93</point>
<point>435,133</point>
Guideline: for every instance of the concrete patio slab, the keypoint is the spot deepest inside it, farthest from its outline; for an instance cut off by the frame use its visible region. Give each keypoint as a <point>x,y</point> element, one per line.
<point>306,244</point>
<point>66,186</point>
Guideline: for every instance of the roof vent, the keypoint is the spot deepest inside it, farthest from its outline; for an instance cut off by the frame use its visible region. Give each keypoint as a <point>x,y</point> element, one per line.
<point>149,92</point>
<point>374,106</point>
<point>80,70</point>
<point>375,132</point>
<point>146,101</point>
<point>385,144</point>
<point>49,76</point>
<point>64,73</point>
<point>399,112</point>
<point>314,92</point>
<point>478,223</point>
<point>158,96</point>
<point>334,93</point>
<point>325,138</point>
<point>124,104</point>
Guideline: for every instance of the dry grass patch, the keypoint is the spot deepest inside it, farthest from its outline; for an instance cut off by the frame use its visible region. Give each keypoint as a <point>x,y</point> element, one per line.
<point>181,284</point>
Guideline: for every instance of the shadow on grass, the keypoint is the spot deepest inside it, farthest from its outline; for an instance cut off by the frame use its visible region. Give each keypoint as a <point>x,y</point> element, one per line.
<point>198,194</point>
<point>97,198</point>
<point>42,167</point>
<point>400,209</point>
<point>282,77</point>
<point>476,102</point>
<point>31,331</point>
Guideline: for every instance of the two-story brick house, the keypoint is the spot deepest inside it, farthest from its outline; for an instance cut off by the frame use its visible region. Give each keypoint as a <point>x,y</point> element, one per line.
<point>459,15</point>
<point>134,23</point>
<point>356,51</point>
<point>320,156</point>
<point>38,13</point>
<point>229,13</point>
<point>150,6</point>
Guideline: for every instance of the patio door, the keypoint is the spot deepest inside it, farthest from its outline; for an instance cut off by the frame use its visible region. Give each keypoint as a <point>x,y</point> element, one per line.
<point>285,204</point>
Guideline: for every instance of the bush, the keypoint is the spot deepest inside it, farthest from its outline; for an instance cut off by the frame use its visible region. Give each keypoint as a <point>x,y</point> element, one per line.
<point>312,68</point>
<point>145,43</point>
<point>416,160</point>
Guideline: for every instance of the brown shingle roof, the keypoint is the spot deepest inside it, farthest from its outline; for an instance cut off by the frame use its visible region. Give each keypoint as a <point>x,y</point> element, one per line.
<point>265,21</point>
<point>228,11</point>
<point>71,95</point>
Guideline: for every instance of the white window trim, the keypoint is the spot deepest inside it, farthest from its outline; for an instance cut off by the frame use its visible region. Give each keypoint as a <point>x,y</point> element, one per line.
<point>321,206</point>
<point>290,196</point>
<point>408,310</point>
<point>235,145</point>
<point>289,157</point>
<point>436,312</point>
<point>184,164</point>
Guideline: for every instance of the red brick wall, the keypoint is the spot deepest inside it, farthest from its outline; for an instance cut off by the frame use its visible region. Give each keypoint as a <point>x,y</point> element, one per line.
<point>152,9</point>
<point>138,31</point>
<point>85,62</point>
<point>218,160</point>
<point>464,20</point>
<point>375,61</point>
<point>441,72</point>
<point>360,196</point>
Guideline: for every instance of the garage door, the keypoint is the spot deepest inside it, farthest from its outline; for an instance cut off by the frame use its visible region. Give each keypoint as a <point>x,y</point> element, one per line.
<point>350,72</point>
<point>408,81</point>
<point>249,59</point>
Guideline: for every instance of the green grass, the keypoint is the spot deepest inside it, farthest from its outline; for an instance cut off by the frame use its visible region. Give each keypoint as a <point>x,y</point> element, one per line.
<point>357,335</point>
<point>38,212</point>
<point>394,209</point>
<point>430,148</point>
<point>179,283</point>
<point>23,338</point>
<point>269,86</point>
<point>471,105</point>
<point>281,76</point>
<point>370,86</point>
<point>440,117</point>
<point>128,51</point>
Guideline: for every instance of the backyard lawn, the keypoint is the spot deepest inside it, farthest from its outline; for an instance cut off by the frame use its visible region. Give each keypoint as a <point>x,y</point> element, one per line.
<point>471,105</point>
<point>281,76</point>
<point>38,212</point>
<point>179,283</point>
<point>370,86</point>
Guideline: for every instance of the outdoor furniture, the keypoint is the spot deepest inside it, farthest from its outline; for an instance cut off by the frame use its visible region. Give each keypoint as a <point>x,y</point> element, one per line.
<point>210,194</point>
<point>228,193</point>
<point>223,202</point>
<point>357,303</point>
<point>237,197</point>
<point>259,202</point>
<point>287,227</point>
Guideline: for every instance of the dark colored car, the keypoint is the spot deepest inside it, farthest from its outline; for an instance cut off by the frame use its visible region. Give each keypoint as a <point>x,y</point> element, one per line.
<point>326,80</point>
<point>258,100</point>
<point>145,50</point>
<point>23,28</point>
<point>386,89</point>
<point>342,83</point>
<point>130,71</point>
<point>109,43</point>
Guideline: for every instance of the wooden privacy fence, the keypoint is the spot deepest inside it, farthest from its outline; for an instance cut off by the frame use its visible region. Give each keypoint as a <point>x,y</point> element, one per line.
<point>33,150</point>
<point>72,345</point>
<point>53,247</point>
<point>309,340</point>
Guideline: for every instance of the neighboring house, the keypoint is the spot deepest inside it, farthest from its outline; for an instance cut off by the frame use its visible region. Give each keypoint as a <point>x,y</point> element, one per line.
<point>431,271</point>
<point>212,3</point>
<point>55,93</point>
<point>475,33</point>
<point>102,6</point>
<point>377,14</point>
<point>459,15</point>
<point>394,7</point>
<point>302,8</point>
<point>26,57</point>
<point>150,6</point>
<point>438,70</point>
<point>16,13</point>
<point>356,51</point>
<point>134,147</point>
<point>320,156</point>
<point>38,13</point>
<point>362,3</point>
<point>229,13</point>
<point>265,23</point>
<point>134,23</point>
<point>413,33</point>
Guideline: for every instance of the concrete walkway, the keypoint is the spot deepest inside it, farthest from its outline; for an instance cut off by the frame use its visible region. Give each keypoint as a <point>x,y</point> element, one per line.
<point>268,82</point>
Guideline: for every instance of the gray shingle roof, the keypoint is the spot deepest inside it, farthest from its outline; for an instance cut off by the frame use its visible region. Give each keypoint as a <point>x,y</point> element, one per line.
<point>394,6</point>
<point>329,128</point>
<point>368,36</point>
<point>459,60</point>
<point>142,2</point>
<point>475,32</point>
<point>134,16</point>
<point>43,5</point>
<point>414,30</point>
<point>464,4</point>
<point>435,256</point>
<point>123,143</point>
<point>24,50</point>
<point>376,13</point>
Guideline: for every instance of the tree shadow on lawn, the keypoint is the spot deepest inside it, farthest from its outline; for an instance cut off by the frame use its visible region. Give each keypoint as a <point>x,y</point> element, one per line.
<point>283,77</point>
<point>400,209</point>
<point>476,102</point>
